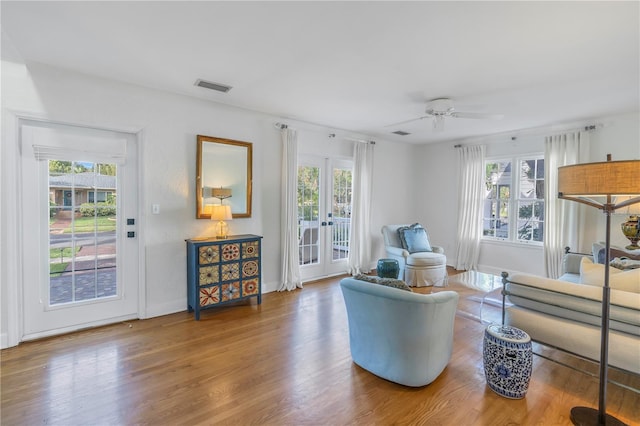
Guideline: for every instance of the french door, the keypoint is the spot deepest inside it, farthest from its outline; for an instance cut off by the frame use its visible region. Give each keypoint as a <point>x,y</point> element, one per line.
<point>79,226</point>
<point>324,215</point>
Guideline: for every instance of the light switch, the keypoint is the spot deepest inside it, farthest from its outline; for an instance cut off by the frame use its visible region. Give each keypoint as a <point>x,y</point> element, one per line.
<point>155,209</point>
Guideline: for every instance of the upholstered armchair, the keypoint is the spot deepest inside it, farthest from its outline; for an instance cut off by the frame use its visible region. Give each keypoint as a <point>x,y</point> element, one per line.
<point>399,335</point>
<point>417,268</point>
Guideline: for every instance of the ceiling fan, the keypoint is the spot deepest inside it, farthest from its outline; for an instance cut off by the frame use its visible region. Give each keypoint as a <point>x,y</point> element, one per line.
<point>441,108</point>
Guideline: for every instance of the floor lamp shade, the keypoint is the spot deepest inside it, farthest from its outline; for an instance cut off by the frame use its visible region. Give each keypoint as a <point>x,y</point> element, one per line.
<point>599,179</point>
<point>582,183</point>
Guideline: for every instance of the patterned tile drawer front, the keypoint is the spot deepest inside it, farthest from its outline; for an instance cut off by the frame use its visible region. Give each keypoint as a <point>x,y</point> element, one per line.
<point>231,251</point>
<point>250,268</point>
<point>209,275</point>
<point>230,291</point>
<point>209,254</point>
<point>230,271</point>
<point>250,249</point>
<point>250,287</point>
<point>209,296</point>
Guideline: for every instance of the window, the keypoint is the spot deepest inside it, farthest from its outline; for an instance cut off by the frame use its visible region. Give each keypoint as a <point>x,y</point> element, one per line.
<point>102,196</point>
<point>514,215</point>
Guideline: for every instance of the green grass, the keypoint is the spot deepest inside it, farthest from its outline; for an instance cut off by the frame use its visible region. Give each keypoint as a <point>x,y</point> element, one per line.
<point>56,269</point>
<point>56,253</point>
<point>88,224</point>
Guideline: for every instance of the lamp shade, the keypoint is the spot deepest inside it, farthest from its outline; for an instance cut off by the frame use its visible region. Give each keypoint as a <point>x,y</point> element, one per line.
<point>221,193</point>
<point>599,179</point>
<point>221,212</point>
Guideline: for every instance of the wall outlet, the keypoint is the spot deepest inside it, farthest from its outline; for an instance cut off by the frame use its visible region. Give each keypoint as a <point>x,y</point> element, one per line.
<point>155,209</point>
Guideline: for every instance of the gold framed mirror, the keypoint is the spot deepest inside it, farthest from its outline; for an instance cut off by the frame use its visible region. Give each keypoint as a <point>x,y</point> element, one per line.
<point>223,176</point>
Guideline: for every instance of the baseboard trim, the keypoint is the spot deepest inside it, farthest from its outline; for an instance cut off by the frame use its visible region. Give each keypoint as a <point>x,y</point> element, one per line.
<point>71,329</point>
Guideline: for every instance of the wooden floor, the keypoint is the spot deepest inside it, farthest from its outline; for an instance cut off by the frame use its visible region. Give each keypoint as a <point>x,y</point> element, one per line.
<point>286,362</point>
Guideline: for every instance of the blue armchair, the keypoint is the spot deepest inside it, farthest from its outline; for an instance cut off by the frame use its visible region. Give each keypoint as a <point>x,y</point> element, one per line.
<point>398,335</point>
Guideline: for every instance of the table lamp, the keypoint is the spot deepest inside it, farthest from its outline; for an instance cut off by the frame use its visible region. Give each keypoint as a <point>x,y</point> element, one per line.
<point>221,213</point>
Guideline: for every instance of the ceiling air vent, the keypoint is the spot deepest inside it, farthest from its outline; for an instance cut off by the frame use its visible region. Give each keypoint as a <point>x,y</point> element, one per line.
<point>213,86</point>
<point>400,133</point>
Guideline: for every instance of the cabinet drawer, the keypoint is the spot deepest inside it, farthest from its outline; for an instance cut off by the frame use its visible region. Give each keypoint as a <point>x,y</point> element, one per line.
<point>250,268</point>
<point>230,291</point>
<point>251,249</point>
<point>230,271</point>
<point>250,287</point>
<point>209,275</point>
<point>209,295</point>
<point>230,251</point>
<point>208,254</point>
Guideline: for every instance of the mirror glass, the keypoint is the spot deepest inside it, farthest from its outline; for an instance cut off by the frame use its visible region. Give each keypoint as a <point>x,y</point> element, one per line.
<point>223,167</point>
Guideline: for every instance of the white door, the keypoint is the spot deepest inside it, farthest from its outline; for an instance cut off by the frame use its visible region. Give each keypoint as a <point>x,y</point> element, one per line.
<point>324,215</point>
<point>79,226</point>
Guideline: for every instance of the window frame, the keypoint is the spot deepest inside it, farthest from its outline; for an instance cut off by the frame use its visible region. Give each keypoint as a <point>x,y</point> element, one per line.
<point>515,199</point>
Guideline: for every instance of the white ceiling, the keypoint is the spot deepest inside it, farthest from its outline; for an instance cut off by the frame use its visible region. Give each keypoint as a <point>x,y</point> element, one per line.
<point>357,66</point>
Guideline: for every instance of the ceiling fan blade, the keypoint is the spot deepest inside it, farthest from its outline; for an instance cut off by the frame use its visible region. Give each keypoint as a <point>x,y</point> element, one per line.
<point>479,115</point>
<point>407,121</point>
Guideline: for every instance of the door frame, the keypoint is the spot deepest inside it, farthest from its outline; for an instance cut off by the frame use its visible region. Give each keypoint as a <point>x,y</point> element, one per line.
<point>11,251</point>
<point>328,266</point>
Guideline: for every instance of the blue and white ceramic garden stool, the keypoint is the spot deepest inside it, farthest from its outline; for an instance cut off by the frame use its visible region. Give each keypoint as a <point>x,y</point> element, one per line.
<point>508,360</point>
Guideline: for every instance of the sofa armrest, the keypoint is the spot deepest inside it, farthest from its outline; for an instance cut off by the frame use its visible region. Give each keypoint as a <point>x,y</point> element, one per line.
<point>396,251</point>
<point>571,263</point>
<point>437,249</point>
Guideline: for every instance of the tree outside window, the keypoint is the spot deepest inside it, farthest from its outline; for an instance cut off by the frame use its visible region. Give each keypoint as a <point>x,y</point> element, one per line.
<point>525,204</point>
<point>531,200</point>
<point>497,197</point>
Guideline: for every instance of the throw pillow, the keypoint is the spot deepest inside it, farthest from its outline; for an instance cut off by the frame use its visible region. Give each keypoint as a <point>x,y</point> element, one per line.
<point>389,282</point>
<point>593,274</point>
<point>414,238</point>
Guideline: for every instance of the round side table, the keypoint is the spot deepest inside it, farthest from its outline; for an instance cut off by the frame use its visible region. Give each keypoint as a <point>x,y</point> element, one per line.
<point>508,360</point>
<point>388,268</point>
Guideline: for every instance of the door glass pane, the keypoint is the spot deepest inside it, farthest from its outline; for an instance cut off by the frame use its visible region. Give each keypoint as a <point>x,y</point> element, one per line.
<point>308,213</point>
<point>82,231</point>
<point>341,213</point>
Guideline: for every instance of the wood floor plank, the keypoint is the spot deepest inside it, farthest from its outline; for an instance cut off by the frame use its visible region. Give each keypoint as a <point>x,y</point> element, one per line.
<point>285,362</point>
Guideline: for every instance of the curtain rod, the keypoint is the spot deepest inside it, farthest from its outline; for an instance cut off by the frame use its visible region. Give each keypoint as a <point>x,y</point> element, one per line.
<point>359,140</point>
<point>282,126</point>
<point>534,132</point>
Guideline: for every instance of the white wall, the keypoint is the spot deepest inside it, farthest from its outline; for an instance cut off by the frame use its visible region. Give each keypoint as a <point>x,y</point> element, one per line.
<point>437,180</point>
<point>411,183</point>
<point>169,124</point>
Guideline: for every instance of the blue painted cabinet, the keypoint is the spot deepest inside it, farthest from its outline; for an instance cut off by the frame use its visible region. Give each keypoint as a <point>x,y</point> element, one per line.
<point>222,271</point>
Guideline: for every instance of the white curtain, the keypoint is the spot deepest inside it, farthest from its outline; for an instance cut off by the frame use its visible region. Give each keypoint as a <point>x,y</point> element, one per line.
<point>289,208</point>
<point>360,236</point>
<point>470,201</point>
<point>562,220</point>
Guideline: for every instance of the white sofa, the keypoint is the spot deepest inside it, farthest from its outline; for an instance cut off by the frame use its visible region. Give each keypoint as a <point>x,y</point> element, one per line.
<point>567,315</point>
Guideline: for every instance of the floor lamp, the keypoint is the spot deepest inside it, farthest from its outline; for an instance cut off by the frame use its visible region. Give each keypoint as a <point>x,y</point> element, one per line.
<point>581,182</point>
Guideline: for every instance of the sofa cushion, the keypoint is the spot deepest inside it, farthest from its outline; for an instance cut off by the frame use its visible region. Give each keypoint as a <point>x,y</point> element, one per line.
<point>577,302</point>
<point>414,238</point>
<point>593,274</point>
<point>389,282</point>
